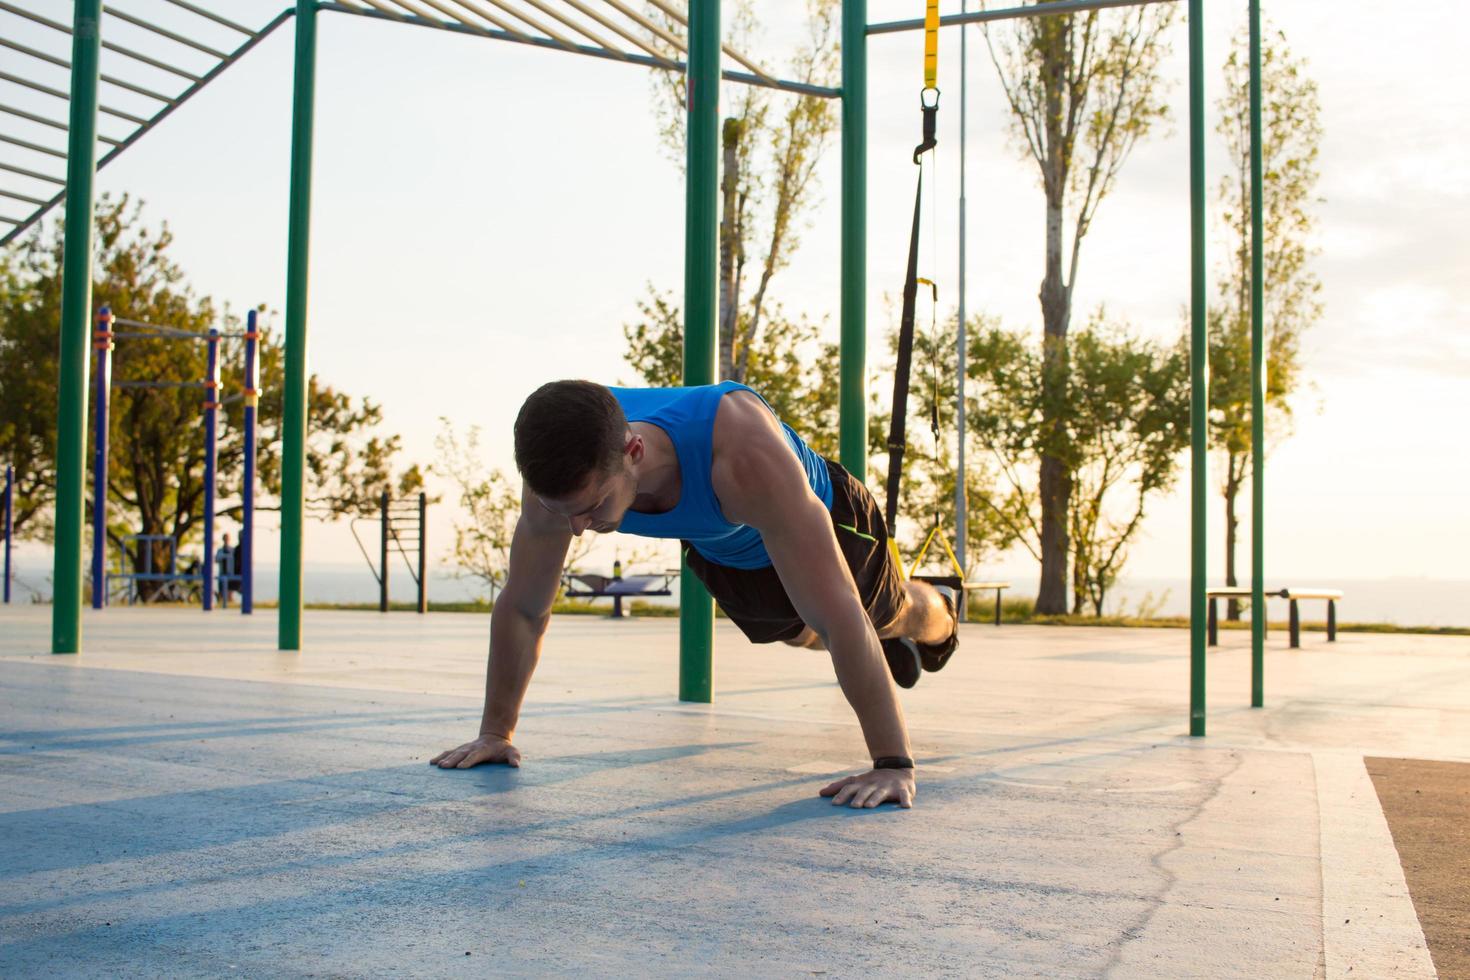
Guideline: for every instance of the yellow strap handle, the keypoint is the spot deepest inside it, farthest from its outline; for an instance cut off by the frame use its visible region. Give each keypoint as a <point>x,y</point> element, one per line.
<point>908,573</point>
<point>931,44</point>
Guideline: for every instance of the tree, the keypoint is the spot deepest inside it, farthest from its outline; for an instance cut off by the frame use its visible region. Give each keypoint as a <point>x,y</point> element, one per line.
<point>1130,422</point>
<point>929,466</point>
<point>769,161</point>
<point>1291,133</point>
<point>27,398</point>
<point>1127,412</point>
<point>491,505</point>
<point>156,441</point>
<point>790,365</point>
<point>1083,90</point>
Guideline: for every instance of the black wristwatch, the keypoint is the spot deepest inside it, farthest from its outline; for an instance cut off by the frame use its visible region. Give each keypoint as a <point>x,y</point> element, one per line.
<point>893,762</point>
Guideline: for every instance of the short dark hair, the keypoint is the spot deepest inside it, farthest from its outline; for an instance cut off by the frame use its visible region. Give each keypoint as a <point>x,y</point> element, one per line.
<point>565,432</point>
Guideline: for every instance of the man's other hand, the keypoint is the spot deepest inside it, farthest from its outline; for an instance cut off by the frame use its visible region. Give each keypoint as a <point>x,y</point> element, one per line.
<point>873,788</point>
<point>486,748</point>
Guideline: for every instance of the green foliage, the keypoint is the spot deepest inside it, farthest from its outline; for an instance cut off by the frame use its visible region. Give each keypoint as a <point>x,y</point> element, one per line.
<point>28,374</point>
<point>156,458</point>
<point>772,144</point>
<point>490,506</point>
<point>1124,423</point>
<point>490,503</point>
<point>790,366</point>
<point>1291,134</point>
<point>930,462</point>
<point>1083,90</point>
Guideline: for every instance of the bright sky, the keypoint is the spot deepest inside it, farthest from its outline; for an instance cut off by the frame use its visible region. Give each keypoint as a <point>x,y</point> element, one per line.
<point>486,216</point>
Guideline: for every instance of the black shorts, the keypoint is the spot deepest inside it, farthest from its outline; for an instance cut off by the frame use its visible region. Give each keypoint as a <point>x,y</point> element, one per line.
<point>755,599</point>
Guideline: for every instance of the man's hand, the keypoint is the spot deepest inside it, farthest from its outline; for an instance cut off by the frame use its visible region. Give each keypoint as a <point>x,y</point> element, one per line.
<point>874,787</point>
<point>486,748</point>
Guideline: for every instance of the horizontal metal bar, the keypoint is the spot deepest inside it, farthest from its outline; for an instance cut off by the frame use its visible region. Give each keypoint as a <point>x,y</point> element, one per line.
<point>162,31</point>
<point>126,52</point>
<point>9,221</point>
<point>53,123</point>
<point>59,94</point>
<point>63,63</point>
<point>756,69</point>
<point>35,147</point>
<point>159,384</point>
<point>158,331</point>
<point>32,174</point>
<point>21,197</point>
<point>211,15</point>
<point>164,112</point>
<point>800,88</point>
<point>1010,13</point>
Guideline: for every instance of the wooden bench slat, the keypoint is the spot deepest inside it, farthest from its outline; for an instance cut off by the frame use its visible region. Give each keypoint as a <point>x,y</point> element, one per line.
<point>1312,593</point>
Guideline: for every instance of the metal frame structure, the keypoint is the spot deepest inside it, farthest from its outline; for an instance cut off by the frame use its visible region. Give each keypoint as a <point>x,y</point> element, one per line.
<point>7,529</point>
<point>103,345</point>
<point>583,27</point>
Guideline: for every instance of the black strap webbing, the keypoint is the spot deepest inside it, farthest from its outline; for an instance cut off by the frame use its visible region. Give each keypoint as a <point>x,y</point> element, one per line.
<point>899,421</point>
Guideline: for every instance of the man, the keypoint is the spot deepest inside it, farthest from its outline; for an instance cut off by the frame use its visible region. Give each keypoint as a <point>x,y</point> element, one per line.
<point>227,570</point>
<point>790,545</point>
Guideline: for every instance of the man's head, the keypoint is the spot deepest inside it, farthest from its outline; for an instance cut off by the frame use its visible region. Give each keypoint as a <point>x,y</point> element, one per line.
<point>575,452</point>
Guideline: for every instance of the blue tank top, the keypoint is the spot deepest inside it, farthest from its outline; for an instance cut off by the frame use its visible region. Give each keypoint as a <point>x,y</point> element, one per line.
<point>687,416</point>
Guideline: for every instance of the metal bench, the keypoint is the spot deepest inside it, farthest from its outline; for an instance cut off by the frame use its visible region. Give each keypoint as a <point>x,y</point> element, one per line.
<point>953,581</point>
<point>1295,595</point>
<point>603,586</point>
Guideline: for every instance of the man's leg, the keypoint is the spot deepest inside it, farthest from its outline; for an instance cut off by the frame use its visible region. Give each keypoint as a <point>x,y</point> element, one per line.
<point>924,616</point>
<point>807,639</point>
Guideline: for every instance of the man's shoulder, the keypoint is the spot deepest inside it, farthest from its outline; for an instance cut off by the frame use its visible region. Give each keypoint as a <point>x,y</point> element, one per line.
<point>743,420</point>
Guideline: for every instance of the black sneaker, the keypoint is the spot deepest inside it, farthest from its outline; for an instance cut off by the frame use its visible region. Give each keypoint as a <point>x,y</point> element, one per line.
<point>902,655</point>
<point>933,656</point>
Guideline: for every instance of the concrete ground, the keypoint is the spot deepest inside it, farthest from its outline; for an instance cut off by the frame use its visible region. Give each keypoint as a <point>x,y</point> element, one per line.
<point>183,799</point>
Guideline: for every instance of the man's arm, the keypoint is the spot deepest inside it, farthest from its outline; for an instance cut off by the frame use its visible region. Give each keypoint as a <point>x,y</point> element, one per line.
<point>538,550</point>
<point>760,482</point>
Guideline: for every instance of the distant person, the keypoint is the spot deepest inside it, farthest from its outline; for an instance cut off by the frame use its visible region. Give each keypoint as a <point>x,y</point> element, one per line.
<point>791,545</point>
<point>227,566</point>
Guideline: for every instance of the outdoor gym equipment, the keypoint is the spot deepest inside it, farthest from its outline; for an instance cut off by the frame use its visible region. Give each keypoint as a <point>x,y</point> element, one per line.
<point>7,522</point>
<point>617,587</point>
<point>403,524</point>
<point>103,342</point>
<point>697,54</point>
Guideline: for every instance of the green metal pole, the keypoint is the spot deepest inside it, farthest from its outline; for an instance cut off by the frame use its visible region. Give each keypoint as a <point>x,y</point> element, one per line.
<point>1258,379</point>
<point>76,321</point>
<point>298,255</point>
<point>853,396</point>
<point>1198,371</point>
<point>701,245</point>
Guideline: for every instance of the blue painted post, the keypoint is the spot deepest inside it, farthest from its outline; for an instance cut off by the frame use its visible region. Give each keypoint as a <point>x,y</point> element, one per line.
<point>211,431</point>
<point>102,379</point>
<point>9,505</point>
<point>247,516</point>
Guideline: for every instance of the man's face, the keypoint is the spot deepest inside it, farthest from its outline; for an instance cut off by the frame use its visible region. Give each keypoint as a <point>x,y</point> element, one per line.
<point>601,502</point>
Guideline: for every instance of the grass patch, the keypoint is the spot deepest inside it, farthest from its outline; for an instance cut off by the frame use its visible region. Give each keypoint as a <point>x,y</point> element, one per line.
<point>1017,611</point>
<point>572,607</point>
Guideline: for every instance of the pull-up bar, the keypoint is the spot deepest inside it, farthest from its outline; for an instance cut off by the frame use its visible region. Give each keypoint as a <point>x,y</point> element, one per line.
<point>553,43</point>
<point>102,343</point>
<point>1010,13</point>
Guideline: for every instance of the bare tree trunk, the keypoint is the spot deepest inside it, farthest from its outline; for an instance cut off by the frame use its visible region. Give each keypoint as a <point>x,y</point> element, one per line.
<point>1233,479</point>
<point>729,246</point>
<point>1056,477</point>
